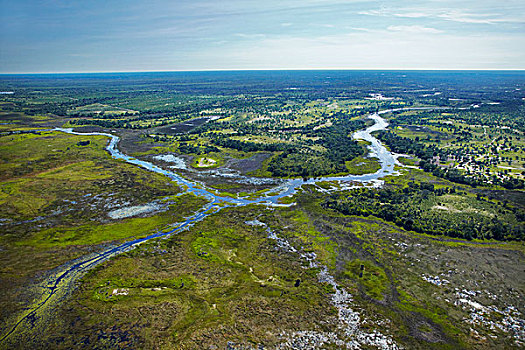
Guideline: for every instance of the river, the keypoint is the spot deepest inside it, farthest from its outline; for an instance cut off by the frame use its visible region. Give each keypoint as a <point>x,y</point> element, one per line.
<point>61,281</point>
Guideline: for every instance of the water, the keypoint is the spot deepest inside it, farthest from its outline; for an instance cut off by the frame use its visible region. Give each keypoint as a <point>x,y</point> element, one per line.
<point>62,281</point>
<point>386,159</point>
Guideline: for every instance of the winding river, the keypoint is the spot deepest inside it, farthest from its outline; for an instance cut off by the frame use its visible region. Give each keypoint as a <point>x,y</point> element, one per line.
<point>62,280</point>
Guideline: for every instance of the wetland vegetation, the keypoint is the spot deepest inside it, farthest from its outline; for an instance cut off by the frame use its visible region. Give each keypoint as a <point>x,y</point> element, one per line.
<point>430,256</point>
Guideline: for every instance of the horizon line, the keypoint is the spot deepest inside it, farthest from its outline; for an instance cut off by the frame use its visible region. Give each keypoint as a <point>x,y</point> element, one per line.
<point>272,69</point>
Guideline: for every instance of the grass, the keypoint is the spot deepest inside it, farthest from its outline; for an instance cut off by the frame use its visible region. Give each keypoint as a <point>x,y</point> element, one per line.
<point>99,108</point>
<point>435,314</point>
<point>407,161</point>
<point>309,237</point>
<point>362,165</point>
<point>56,190</point>
<point>208,161</point>
<point>397,258</point>
<point>53,173</point>
<point>31,153</point>
<point>136,287</point>
<point>417,175</point>
<point>97,233</point>
<point>81,171</point>
<point>372,278</point>
<point>246,285</point>
<point>223,280</point>
<point>263,170</point>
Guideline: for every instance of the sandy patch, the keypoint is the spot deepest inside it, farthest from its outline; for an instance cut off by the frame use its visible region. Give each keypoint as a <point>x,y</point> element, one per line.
<point>206,162</point>
<point>132,211</point>
<point>440,207</point>
<point>178,163</point>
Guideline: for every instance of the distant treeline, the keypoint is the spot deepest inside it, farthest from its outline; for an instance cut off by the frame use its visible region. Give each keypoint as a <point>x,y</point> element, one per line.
<point>247,146</point>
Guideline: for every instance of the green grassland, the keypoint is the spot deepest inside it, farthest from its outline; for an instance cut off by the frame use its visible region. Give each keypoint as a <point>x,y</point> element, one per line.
<point>431,262</point>
<point>99,109</point>
<point>372,278</point>
<point>209,161</point>
<point>224,280</point>
<point>220,281</point>
<point>52,171</point>
<point>56,191</point>
<point>362,165</point>
<point>96,233</point>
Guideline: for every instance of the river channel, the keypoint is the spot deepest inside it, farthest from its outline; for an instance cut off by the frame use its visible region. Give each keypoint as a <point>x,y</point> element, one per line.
<point>61,281</point>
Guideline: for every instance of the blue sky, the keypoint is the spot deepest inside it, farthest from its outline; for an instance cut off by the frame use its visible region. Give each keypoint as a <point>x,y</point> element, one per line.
<point>159,35</point>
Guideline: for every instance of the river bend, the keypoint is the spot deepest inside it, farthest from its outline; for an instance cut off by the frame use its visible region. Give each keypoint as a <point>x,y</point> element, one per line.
<point>61,281</point>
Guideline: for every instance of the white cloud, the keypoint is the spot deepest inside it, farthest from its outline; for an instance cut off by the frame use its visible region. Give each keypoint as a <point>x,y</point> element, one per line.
<point>412,15</point>
<point>360,29</point>
<point>373,13</point>
<point>395,49</point>
<point>250,36</point>
<point>455,15</point>
<point>414,29</point>
<point>459,16</point>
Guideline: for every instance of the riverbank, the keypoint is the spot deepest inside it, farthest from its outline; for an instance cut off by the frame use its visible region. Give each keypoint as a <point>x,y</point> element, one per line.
<point>58,287</point>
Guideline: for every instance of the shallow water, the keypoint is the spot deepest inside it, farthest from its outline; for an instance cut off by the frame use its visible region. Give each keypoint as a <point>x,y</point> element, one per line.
<point>288,188</point>
<point>62,281</point>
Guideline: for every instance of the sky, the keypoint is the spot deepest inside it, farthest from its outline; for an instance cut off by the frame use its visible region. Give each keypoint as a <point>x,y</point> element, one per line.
<point>160,35</point>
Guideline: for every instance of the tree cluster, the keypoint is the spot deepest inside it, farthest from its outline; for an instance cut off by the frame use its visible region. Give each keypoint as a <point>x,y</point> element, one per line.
<point>411,208</point>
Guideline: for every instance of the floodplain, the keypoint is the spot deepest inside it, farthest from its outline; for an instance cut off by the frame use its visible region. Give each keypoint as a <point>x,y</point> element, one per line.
<point>428,256</point>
